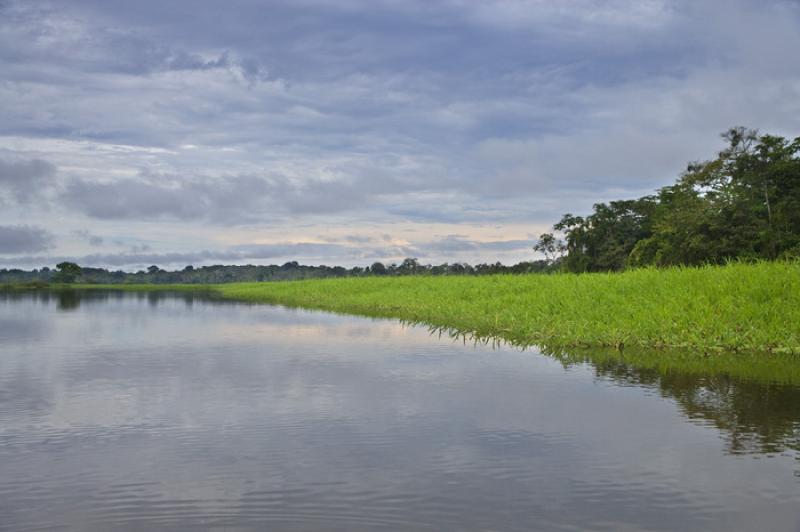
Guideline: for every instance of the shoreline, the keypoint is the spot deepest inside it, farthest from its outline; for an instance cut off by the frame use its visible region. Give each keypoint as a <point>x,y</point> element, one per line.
<point>714,309</point>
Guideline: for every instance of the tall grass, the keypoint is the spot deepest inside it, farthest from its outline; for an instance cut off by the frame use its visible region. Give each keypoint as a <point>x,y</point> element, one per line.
<point>736,307</point>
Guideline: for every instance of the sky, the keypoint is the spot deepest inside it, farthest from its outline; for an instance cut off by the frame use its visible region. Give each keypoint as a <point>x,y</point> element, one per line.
<point>344,132</point>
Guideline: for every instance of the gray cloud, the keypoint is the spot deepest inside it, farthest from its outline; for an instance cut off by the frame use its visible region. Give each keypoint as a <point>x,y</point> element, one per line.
<point>133,199</point>
<point>455,244</point>
<point>24,179</point>
<point>232,255</point>
<point>24,239</point>
<point>359,239</point>
<point>89,237</point>
<point>361,113</point>
<point>140,248</point>
<point>226,199</point>
<point>223,200</point>
<point>447,249</point>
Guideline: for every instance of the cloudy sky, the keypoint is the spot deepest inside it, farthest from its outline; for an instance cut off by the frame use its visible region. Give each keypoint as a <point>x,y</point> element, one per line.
<point>349,131</point>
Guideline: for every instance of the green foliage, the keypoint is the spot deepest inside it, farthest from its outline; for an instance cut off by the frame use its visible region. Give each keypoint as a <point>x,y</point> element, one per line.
<point>21,287</point>
<point>67,272</point>
<point>551,247</point>
<point>604,240</point>
<point>289,271</point>
<point>744,204</point>
<point>378,269</point>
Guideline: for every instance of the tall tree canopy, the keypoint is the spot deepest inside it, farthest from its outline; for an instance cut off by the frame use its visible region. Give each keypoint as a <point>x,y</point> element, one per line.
<point>745,203</point>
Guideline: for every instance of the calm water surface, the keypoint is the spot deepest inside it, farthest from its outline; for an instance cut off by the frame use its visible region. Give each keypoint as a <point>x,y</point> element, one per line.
<point>154,411</point>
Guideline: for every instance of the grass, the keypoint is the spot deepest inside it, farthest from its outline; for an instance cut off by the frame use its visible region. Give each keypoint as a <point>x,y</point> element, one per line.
<point>733,308</point>
<point>737,307</point>
<point>22,287</point>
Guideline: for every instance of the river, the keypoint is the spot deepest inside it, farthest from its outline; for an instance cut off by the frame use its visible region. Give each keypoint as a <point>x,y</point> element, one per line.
<point>157,411</point>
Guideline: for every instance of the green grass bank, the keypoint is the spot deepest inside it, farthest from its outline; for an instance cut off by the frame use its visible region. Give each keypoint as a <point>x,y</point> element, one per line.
<point>737,307</point>
<point>734,308</point>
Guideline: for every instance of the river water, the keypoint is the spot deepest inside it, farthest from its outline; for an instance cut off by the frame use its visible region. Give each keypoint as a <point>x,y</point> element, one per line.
<point>176,412</point>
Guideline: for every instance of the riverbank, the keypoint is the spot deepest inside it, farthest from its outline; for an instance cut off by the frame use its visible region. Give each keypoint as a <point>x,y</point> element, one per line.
<point>737,307</point>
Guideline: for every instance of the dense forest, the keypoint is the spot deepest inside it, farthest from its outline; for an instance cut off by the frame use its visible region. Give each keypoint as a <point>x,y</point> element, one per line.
<point>744,204</point>
<point>68,272</point>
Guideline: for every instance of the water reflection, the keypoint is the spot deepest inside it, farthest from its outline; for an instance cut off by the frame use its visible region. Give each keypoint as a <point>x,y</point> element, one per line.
<point>170,411</point>
<point>70,299</point>
<point>753,400</point>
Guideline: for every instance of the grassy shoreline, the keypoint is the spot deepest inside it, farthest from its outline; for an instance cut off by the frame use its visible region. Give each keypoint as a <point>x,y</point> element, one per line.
<point>732,308</point>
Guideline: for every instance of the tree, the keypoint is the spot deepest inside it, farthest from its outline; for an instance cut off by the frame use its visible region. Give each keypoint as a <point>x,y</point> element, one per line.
<point>67,272</point>
<point>603,240</point>
<point>409,266</point>
<point>378,268</point>
<point>743,204</point>
<point>551,247</point>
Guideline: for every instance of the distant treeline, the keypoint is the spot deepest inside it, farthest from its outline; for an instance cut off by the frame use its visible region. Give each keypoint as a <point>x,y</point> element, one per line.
<point>68,272</point>
<point>744,204</point>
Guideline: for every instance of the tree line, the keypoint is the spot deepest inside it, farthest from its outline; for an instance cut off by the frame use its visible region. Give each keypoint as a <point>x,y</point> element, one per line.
<point>744,204</point>
<point>69,272</point>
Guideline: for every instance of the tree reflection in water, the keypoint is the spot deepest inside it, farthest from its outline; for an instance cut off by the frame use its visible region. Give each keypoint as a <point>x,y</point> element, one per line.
<point>753,400</point>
